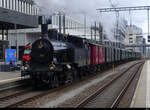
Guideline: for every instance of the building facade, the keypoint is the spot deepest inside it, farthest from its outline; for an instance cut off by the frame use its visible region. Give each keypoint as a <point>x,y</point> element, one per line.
<point>22,6</point>
<point>15,14</point>
<point>134,36</point>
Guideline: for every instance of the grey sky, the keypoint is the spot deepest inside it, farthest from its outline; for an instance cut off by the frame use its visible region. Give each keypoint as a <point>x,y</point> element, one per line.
<point>89,6</point>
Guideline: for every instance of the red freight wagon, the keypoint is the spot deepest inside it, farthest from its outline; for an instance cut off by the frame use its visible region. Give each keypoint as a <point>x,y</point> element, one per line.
<point>101,55</point>
<point>93,55</point>
<point>97,54</point>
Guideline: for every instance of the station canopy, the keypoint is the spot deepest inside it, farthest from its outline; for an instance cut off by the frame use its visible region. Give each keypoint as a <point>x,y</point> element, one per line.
<point>10,19</point>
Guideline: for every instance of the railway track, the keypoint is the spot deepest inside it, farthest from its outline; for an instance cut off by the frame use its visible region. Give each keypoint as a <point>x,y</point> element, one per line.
<point>13,85</point>
<point>25,96</point>
<point>21,97</point>
<point>95,99</point>
<point>11,99</point>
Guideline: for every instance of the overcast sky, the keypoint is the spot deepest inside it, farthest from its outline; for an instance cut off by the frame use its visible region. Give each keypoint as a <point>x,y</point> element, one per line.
<point>89,6</point>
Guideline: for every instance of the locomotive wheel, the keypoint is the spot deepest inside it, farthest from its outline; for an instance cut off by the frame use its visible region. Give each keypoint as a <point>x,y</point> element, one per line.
<point>75,74</point>
<point>69,77</point>
<point>34,81</point>
<point>94,70</point>
<point>54,81</point>
<point>83,73</point>
<point>99,68</point>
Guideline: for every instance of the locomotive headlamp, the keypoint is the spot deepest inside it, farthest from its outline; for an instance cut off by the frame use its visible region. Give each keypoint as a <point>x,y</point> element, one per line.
<point>27,66</point>
<point>52,66</point>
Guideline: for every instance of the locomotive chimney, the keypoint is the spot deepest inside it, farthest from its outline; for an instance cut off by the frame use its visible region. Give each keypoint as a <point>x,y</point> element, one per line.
<point>44,30</point>
<point>44,26</point>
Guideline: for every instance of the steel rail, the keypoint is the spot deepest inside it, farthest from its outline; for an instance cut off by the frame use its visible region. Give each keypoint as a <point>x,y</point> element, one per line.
<point>16,94</point>
<point>123,91</point>
<point>100,90</point>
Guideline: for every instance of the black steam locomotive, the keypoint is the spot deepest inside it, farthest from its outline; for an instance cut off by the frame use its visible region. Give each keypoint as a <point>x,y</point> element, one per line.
<point>57,59</point>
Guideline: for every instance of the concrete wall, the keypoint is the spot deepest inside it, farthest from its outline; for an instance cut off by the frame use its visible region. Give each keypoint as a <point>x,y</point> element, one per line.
<point>22,38</point>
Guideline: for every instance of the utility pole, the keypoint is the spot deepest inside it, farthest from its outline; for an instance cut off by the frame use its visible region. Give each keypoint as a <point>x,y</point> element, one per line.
<point>117,30</point>
<point>148,20</point>
<point>101,30</point>
<point>59,14</point>
<point>100,33</point>
<point>91,33</point>
<point>84,25</point>
<point>64,24</point>
<point>148,27</point>
<point>95,30</point>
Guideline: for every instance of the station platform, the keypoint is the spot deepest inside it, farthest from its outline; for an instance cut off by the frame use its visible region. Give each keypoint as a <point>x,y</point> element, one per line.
<point>141,98</point>
<point>7,77</point>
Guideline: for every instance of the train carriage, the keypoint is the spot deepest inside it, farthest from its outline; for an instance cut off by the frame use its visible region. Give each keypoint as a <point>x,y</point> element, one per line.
<point>97,54</point>
<point>102,55</point>
<point>107,54</point>
<point>122,55</point>
<point>112,54</point>
<point>115,54</point>
<point>118,54</point>
<point>93,54</point>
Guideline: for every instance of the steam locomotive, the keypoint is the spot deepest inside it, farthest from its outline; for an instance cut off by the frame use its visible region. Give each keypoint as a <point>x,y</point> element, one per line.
<point>57,59</point>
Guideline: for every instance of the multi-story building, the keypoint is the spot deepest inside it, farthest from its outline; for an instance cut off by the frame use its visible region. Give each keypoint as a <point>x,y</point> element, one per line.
<point>134,37</point>
<point>22,6</point>
<point>15,14</point>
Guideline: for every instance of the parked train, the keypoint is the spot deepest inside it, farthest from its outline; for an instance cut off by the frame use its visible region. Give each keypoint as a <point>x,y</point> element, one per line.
<point>57,59</point>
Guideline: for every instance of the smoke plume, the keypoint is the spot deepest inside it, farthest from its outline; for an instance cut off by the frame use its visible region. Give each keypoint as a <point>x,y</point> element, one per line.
<point>76,8</point>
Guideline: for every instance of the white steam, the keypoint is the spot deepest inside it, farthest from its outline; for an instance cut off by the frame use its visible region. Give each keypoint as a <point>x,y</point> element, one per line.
<point>89,7</point>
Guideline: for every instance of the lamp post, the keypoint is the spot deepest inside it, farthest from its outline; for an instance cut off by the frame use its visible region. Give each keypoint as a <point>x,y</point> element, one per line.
<point>117,30</point>
<point>16,41</point>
